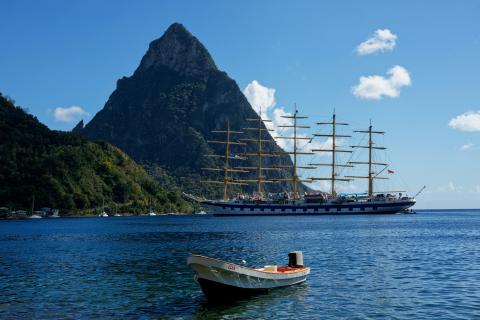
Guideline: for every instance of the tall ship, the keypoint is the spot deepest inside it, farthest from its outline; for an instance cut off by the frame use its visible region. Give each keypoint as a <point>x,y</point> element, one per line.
<point>296,201</point>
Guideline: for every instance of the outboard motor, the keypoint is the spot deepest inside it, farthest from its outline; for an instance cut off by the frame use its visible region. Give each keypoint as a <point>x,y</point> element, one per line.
<point>295,259</point>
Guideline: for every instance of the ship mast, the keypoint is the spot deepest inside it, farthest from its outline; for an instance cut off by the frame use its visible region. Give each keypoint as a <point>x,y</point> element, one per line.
<point>227,169</point>
<point>334,150</point>
<point>295,177</point>
<point>261,177</point>
<point>372,175</point>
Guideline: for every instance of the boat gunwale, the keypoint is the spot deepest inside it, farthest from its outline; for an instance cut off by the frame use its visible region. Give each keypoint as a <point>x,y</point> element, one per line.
<point>303,269</point>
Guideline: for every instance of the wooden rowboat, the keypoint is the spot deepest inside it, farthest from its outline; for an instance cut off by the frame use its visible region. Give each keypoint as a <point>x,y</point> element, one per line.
<point>224,280</point>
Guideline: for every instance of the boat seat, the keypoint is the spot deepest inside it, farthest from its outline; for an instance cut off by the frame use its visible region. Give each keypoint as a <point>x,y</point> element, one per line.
<point>269,269</point>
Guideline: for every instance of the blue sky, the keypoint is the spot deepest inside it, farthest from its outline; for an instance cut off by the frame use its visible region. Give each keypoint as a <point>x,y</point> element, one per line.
<point>58,54</point>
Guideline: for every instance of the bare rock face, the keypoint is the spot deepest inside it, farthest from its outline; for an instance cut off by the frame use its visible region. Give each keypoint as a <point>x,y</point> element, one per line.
<point>180,51</point>
<point>164,113</point>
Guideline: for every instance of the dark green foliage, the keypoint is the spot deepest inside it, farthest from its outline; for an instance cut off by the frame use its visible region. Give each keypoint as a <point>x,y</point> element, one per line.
<point>64,170</point>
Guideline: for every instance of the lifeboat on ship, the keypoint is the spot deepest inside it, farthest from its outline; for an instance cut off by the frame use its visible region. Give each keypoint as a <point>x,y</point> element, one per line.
<point>225,280</point>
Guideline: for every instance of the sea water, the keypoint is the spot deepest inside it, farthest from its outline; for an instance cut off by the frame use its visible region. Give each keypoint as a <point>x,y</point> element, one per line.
<point>423,266</point>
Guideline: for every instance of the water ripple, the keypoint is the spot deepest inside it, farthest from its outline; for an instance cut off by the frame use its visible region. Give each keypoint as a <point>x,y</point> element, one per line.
<point>398,267</point>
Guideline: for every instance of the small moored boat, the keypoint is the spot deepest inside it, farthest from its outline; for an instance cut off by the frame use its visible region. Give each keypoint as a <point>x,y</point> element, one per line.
<point>55,213</point>
<point>103,214</point>
<point>225,280</point>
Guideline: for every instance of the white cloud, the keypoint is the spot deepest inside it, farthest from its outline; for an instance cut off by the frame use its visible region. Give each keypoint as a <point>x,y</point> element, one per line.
<point>69,114</point>
<point>382,40</point>
<point>304,145</point>
<point>263,99</point>
<point>326,186</point>
<point>469,121</point>
<point>278,120</point>
<point>450,187</point>
<point>467,146</point>
<point>322,145</point>
<point>278,117</point>
<point>260,97</point>
<point>376,87</point>
<point>453,188</point>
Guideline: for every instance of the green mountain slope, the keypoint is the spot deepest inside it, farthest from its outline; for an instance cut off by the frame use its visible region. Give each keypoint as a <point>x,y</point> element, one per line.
<point>64,170</point>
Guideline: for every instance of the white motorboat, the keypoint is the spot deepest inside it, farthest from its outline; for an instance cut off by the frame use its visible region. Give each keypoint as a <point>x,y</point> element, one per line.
<point>35,216</point>
<point>224,280</point>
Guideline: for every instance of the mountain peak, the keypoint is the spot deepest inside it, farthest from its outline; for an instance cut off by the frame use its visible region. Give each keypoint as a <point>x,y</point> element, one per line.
<point>177,27</point>
<point>164,114</point>
<point>78,127</point>
<point>180,51</point>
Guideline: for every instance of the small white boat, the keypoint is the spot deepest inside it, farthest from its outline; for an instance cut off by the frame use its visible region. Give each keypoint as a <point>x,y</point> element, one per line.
<point>35,216</point>
<point>224,280</point>
<point>55,214</point>
<point>103,214</point>
<point>151,212</point>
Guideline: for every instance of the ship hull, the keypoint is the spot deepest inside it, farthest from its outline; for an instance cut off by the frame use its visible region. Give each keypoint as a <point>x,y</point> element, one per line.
<point>219,208</point>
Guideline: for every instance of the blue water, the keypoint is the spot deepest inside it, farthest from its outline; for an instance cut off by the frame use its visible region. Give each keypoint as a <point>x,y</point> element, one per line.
<point>424,266</point>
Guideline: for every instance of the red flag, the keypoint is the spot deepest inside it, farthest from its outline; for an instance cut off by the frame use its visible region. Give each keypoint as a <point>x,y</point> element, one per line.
<point>390,171</point>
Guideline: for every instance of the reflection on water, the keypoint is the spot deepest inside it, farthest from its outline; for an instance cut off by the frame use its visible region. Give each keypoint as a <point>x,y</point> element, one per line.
<point>402,266</point>
<point>256,305</point>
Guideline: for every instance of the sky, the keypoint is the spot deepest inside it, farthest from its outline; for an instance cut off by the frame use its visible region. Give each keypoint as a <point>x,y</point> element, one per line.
<point>410,67</point>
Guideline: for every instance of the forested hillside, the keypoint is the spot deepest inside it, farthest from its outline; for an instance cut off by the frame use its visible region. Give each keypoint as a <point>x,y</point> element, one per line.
<point>66,171</point>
